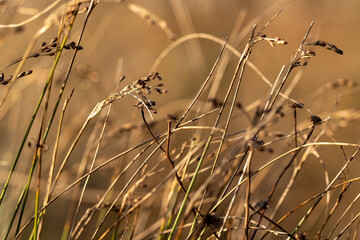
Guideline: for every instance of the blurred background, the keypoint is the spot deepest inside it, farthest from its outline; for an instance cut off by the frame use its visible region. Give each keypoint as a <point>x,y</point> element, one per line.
<point>128,37</point>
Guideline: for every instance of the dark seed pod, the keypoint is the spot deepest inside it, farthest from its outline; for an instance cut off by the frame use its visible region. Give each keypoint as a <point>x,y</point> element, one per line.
<point>214,102</point>
<point>79,48</point>
<point>338,51</point>
<point>43,49</point>
<point>141,82</point>
<point>151,103</point>
<point>54,40</point>
<point>213,220</point>
<point>158,90</point>
<point>1,77</point>
<point>255,144</point>
<point>21,75</point>
<point>171,118</point>
<point>72,45</point>
<point>261,205</point>
<point>297,64</point>
<point>279,134</point>
<point>315,119</point>
<point>319,43</point>
<point>335,49</point>
<point>296,104</point>
<point>18,29</point>
<point>145,79</point>
<point>43,44</point>
<point>310,52</point>
<point>139,105</point>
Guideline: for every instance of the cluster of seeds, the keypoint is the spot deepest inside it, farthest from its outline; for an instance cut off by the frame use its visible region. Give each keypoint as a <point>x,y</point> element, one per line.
<point>308,53</point>
<point>49,49</point>
<point>143,85</point>
<point>327,46</point>
<point>137,89</point>
<point>45,49</point>
<point>272,41</point>
<point>4,81</point>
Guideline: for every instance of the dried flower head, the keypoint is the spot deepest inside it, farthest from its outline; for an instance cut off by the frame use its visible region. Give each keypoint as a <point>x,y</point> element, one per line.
<point>45,49</point>
<point>272,41</point>
<point>134,89</point>
<point>7,80</point>
<point>327,46</point>
<point>307,54</point>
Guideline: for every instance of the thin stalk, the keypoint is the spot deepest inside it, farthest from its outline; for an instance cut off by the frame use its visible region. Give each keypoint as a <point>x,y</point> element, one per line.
<point>323,194</point>
<point>236,191</point>
<point>289,164</point>
<point>295,128</point>
<point>26,188</point>
<point>91,168</point>
<point>347,226</point>
<point>67,75</point>
<point>92,164</point>
<point>69,153</point>
<point>335,206</point>
<point>169,214</point>
<point>92,5</point>
<point>247,198</point>
<point>107,162</point>
<point>37,196</point>
<point>51,75</point>
<point>52,166</point>
<point>23,195</point>
<point>242,60</point>
<point>97,206</point>
<point>343,215</point>
<point>182,208</point>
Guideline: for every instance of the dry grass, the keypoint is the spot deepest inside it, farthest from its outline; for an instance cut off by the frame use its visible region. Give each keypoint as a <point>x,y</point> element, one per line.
<point>223,138</point>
